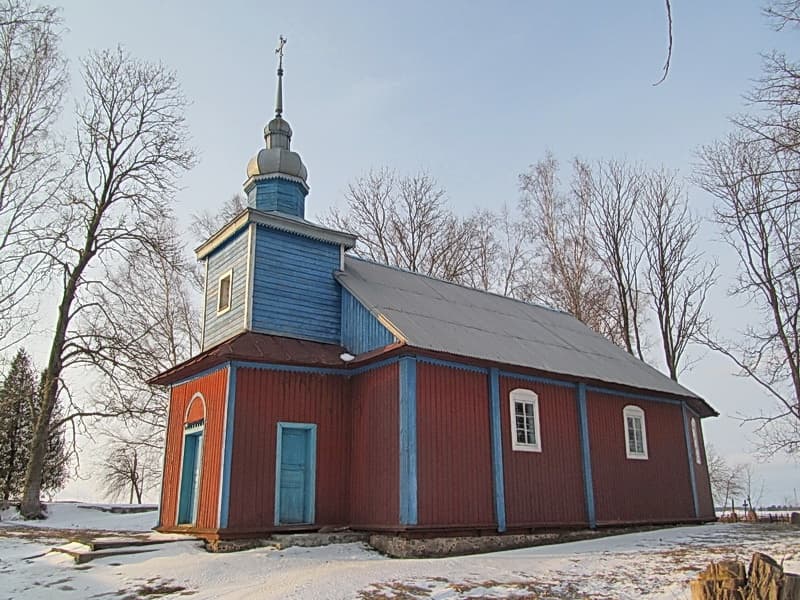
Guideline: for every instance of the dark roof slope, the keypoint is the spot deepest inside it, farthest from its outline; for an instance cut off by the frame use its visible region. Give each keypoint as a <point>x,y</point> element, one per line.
<point>256,347</point>
<point>436,315</point>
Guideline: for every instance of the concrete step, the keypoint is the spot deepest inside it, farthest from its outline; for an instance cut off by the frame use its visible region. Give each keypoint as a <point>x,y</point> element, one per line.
<point>286,540</point>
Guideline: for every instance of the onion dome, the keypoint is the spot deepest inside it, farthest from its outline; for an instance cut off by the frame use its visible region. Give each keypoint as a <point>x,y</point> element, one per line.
<point>277,157</point>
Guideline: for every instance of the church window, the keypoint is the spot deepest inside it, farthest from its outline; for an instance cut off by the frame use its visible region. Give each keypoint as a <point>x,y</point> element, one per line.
<point>696,440</point>
<point>525,433</point>
<point>224,292</point>
<point>635,432</point>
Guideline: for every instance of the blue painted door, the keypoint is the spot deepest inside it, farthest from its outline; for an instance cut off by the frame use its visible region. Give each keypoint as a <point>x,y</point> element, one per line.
<point>190,478</point>
<point>296,473</point>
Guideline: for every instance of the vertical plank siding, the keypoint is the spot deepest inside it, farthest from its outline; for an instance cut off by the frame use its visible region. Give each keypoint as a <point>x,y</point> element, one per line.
<point>213,387</point>
<point>657,489</point>
<point>294,291</point>
<point>454,450</point>
<point>374,472</point>
<point>263,398</point>
<point>279,195</point>
<point>361,331</point>
<point>231,255</point>
<point>544,488</point>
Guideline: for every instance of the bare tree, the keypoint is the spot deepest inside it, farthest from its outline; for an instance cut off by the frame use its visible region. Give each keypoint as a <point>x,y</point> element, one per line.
<point>130,147</point>
<point>616,195</point>
<point>206,223</point>
<point>752,486</point>
<point>783,13</point>
<point>677,278</point>
<point>127,467</point>
<point>145,338</point>
<point>405,222</point>
<point>726,480</point>
<point>751,180</point>
<point>567,271</point>
<point>502,253</point>
<point>32,83</point>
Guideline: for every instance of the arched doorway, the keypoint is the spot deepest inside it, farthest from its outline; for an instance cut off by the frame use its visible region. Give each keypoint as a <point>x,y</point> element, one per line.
<point>192,460</point>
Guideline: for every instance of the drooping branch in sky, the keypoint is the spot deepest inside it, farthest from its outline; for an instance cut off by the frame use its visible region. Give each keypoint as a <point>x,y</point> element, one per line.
<point>669,43</point>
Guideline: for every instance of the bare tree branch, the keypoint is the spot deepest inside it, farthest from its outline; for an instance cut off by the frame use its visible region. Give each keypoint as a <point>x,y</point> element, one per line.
<point>669,46</point>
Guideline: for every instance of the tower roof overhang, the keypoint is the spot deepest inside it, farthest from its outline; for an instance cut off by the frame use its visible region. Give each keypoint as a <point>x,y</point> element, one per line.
<point>275,221</point>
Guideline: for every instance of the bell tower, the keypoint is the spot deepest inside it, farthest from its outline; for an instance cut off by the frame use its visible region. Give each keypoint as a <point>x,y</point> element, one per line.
<point>276,176</point>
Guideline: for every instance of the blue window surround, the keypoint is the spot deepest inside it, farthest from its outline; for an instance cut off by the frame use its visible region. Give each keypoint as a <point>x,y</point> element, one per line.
<point>311,490</point>
<point>689,456</point>
<point>408,426</point>
<point>408,440</point>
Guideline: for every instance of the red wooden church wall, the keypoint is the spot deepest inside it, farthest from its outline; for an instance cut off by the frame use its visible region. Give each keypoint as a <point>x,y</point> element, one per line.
<point>544,488</point>
<point>263,398</point>
<point>628,490</point>
<point>213,387</point>
<point>454,469</point>
<point>374,470</point>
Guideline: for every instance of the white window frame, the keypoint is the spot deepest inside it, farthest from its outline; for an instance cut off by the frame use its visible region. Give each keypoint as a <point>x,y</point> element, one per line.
<point>525,397</point>
<point>696,441</point>
<point>635,412</point>
<point>226,274</point>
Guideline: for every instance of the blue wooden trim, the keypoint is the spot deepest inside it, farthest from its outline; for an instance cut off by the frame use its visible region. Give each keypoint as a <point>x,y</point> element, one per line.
<point>586,456</point>
<point>408,440</point>
<point>692,412</point>
<point>208,371</point>
<point>451,364</point>
<point>689,453</point>
<point>497,449</point>
<point>538,379</point>
<point>311,491</point>
<point>227,452</point>
<point>632,395</point>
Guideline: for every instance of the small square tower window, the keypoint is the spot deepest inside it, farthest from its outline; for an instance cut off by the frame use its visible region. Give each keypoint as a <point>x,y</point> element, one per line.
<point>224,289</point>
<point>635,432</point>
<point>525,434</point>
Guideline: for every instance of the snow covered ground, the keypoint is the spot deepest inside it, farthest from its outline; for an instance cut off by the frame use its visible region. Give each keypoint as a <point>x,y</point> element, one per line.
<point>652,565</point>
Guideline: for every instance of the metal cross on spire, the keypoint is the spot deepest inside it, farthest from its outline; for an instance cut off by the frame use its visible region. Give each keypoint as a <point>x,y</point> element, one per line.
<point>279,51</point>
<point>279,99</point>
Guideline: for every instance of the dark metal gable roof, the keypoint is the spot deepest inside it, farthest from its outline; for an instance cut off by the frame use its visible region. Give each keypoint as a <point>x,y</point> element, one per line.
<point>437,315</point>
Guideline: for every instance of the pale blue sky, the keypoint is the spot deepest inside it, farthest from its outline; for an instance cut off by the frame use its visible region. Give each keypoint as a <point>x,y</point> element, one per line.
<point>472,92</point>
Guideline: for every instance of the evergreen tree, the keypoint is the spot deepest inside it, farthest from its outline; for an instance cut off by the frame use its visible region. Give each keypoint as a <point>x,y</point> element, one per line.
<point>18,396</point>
<point>56,459</point>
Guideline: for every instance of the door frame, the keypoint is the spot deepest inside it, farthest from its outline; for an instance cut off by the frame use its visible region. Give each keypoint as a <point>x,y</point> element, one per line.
<point>195,429</point>
<point>309,501</point>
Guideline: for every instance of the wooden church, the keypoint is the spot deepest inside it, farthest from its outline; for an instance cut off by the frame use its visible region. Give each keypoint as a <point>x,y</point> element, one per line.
<point>333,391</point>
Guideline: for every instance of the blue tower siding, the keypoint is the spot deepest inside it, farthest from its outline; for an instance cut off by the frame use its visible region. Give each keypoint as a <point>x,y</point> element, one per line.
<point>233,254</point>
<point>278,195</point>
<point>361,331</point>
<point>294,291</point>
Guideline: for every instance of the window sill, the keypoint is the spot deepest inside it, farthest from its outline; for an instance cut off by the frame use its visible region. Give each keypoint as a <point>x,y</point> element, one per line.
<point>520,448</point>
